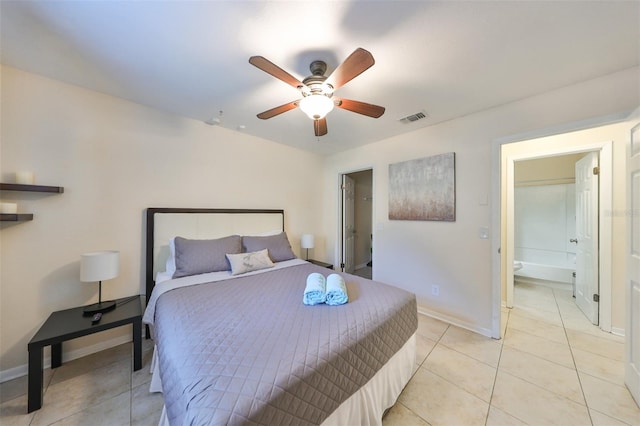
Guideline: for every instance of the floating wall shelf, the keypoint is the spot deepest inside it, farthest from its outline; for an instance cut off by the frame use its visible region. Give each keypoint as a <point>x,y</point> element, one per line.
<point>15,217</point>
<point>21,217</point>
<point>31,188</point>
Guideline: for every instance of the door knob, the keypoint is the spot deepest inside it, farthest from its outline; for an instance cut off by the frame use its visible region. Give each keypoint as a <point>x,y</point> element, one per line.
<point>573,240</point>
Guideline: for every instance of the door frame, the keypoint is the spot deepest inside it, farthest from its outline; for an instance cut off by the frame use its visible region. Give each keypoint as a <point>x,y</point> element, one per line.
<point>605,149</point>
<point>502,172</point>
<point>338,247</point>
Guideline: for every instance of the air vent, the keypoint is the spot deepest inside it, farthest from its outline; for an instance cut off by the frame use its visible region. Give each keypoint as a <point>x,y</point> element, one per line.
<point>414,117</point>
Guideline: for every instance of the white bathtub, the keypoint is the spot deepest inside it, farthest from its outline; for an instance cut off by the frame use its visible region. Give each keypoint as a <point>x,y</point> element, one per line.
<point>556,273</point>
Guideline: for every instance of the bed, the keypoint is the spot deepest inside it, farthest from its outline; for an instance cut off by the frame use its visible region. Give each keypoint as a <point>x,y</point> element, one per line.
<point>238,345</point>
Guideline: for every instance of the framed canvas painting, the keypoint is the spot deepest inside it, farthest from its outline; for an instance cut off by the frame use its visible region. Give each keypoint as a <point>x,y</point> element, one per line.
<point>423,189</point>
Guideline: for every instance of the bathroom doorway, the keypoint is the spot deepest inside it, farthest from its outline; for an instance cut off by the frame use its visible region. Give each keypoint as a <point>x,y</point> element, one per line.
<point>556,226</point>
<point>506,154</point>
<point>356,223</point>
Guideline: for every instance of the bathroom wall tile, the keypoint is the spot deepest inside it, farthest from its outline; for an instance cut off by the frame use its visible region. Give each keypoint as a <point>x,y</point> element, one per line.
<point>543,348</point>
<point>440,402</point>
<point>471,375</point>
<point>548,375</point>
<point>482,348</point>
<point>612,400</point>
<point>534,405</point>
<point>399,415</point>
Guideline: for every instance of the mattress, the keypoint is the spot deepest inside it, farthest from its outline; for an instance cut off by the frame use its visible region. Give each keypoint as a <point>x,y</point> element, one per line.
<point>246,350</point>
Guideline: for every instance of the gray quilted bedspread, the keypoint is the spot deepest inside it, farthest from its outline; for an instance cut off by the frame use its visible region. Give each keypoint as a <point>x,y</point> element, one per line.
<point>248,351</point>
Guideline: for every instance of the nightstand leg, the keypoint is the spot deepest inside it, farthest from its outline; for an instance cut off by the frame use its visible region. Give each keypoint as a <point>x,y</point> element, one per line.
<point>36,365</point>
<point>137,345</point>
<point>56,355</point>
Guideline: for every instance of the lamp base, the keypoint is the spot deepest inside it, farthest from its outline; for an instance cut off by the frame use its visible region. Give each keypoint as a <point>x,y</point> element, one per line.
<point>99,307</point>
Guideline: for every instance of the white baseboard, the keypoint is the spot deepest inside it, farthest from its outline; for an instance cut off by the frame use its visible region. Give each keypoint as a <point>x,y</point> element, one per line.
<point>22,370</point>
<point>455,321</point>
<point>617,331</point>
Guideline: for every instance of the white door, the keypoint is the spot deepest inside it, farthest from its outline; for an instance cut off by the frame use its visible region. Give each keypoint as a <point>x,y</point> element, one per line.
<point>632,356</point>
<point>587,235</point>
<point>348,223</point>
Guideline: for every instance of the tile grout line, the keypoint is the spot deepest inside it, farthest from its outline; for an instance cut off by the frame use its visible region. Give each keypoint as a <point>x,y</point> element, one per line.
<point>416,372</point>
<point>544,359</point>
<point>130,397</point>
<point>495,378</point>
<point>573,359</point>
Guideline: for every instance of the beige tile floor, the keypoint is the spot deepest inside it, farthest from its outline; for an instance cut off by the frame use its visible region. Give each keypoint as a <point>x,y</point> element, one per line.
<point>552,368</point>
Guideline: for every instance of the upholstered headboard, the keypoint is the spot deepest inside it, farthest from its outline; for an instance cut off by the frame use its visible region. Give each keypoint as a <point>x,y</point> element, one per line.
<point>194,223</point>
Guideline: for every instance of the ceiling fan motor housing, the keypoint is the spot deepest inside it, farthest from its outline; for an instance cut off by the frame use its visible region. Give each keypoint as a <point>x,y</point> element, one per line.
<point>315,83</point>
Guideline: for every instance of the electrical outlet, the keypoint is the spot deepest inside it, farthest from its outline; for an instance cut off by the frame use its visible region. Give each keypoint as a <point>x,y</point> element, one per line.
<point>435,290</point>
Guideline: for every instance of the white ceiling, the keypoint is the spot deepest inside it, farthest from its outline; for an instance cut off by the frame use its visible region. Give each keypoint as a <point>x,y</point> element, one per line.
<point>447,58</point>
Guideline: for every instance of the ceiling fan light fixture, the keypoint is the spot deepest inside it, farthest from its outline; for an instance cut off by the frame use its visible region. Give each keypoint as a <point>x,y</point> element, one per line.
<point>316,106</point>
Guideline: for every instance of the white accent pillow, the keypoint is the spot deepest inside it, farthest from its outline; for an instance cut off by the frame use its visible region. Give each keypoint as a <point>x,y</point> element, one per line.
<point>246,262</point>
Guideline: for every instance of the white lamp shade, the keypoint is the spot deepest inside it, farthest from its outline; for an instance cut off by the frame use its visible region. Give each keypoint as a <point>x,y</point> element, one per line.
<point>307,241</point>
<point>316,106</point>
<point>99,266</point>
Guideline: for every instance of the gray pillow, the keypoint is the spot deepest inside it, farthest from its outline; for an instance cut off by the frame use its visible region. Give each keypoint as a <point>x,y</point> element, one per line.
<point>278,246</point>
<point>202,256</point>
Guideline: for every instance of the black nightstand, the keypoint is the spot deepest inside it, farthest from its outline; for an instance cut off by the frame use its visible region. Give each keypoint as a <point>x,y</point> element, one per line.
<point>323,264</point>
<point>71,323</point>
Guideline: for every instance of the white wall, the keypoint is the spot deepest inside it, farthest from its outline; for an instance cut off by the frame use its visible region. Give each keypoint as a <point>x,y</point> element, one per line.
<point>545,221</point>
<point>417,255</point>
<point>115,158</point>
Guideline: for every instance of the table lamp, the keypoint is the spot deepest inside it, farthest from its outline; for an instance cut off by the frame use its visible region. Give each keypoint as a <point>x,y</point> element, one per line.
<point>99,266</point>
<point>306,242</point>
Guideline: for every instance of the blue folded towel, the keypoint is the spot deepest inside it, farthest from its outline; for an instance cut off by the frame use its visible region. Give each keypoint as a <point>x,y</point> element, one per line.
<point>315,292</point>
<point>336,290</point>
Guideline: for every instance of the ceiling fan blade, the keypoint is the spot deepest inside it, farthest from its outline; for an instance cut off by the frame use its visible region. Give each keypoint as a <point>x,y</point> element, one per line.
<point>320,127</point>
<point>278,110</point>
<point>363,108</point>
<point>357,63</point>
<point>271,68</point>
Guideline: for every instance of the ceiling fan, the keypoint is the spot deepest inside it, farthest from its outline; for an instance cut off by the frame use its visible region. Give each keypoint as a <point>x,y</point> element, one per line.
<point>317,89</point>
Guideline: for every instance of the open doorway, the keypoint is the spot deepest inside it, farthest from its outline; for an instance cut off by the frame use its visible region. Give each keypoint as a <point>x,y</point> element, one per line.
<point>356,223</point>
<point>510,154</point>
<point>556,227</point>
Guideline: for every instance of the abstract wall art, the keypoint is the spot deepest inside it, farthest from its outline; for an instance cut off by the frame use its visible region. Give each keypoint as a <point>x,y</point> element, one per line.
<point>423,189</point>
